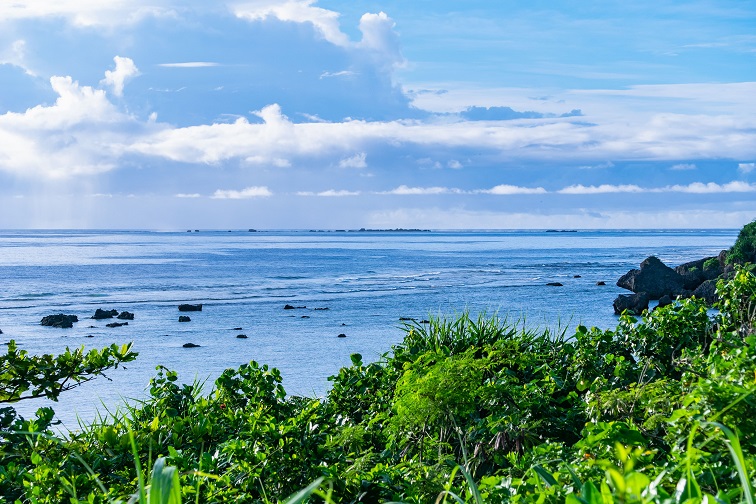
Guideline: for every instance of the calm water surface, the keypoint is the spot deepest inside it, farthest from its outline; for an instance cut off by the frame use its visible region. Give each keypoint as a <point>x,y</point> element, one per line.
<point>366,280</point>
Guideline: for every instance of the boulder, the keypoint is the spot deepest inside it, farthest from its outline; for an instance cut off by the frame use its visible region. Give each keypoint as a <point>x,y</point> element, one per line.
<point>190,345</point>
<point>241,336</point>
<point>695,273</point>
<point>184,318</point>
<point>237,329</point>
<point>577,276</point>
<point>707,291</point>
<point>654,278</point>
<point>633,303</point>
<point>190,307</point>
<point>104,314</point>
<point>116,324</point>
<point>342,335</point>
<point>126,316</point>
<point>554,284</point>
<point>600,282</point>
<point>60,320</point>
<point>664,301</point>
<point>290,307</point>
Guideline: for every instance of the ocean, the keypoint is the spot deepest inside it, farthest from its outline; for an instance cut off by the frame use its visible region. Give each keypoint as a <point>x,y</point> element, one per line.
<point>359,284</point>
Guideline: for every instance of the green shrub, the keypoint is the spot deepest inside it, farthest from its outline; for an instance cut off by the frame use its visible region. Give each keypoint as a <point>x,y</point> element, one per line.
<point>744,249</point>
<point>711,263</point>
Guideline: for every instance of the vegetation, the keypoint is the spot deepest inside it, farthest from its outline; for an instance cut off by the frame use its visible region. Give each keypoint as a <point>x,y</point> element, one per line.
<point>660,409</point>
<point>711,263</point>
<point>744,249</point>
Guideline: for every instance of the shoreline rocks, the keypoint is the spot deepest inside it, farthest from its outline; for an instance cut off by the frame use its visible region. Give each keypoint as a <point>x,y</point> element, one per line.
<point>190,307</point>
<point>101,314</point>
<point>60,320</point>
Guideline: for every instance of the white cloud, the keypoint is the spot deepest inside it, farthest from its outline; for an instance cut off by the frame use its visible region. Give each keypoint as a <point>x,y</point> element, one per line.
<point>404,190</point>
<point>191,196</point>
<point>600,166</point>
<point>124,69</point>
<point>332,193</point>
<point>601,189</point>
<point>356,161</point>
<point>90,12</point>
<point>342,73</point>
<point>190,64</point>
<point>505,190</point>
<point>249,192</point>
<point>683,167</point>
<point>454,164</point>
<point>325,22</point>
<point>711,187</point>
<point>746,167</point>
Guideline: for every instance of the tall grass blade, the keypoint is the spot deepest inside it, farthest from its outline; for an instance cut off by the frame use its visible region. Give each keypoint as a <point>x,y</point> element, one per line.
<point>733,444</point>
<point>305,493</point>
<point>165,487</point>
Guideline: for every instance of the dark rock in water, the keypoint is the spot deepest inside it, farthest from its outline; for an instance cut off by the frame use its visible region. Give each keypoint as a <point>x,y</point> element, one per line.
<point>1,331</point>
<point>576,276</point>
<point>241,336</point>
<point>654,278</point>
<point>554,284</point>
<point>695,273</point>
<point>707,291</point>
<point>600,282</point>
<point>126,316</point>
<point>190,307</point>
<point>305,316</point>
<point>60,320</point>
<point>343,325</point>
<point>237,329</point>
<point>406,319</point>
<point>633,303</point>
<point>190,345</point>
<point>290,307</point>
<point>342,335</point>
<point>425,321</point>
<point>116,324</point>
<point>253,230</point>
<point>321,309</point>
<point>104,314</point>
<point>184,318</point>
<point>90,336</point>
<point>664,301</point>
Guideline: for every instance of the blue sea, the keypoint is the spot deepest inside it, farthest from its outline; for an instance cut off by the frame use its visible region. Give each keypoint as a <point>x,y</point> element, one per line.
<point>366,280</point>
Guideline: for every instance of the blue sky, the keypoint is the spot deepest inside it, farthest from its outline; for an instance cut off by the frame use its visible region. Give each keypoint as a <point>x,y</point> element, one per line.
<point>171,114</point>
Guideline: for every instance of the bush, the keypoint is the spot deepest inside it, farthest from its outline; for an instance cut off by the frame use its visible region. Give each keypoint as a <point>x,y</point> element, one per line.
<point>744,249</point>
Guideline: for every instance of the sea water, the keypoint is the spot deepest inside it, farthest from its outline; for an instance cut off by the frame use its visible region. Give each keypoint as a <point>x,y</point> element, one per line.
<point>359,284</point>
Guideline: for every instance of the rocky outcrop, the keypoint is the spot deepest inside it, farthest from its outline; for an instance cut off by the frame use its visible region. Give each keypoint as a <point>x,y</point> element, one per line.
<point>635,304</point>
<point>241,336</point>
<point>126,316</point>
<point>707,291</point>
<point>555,284</point>
<point>290,307</point>
<point>59,320</point>
<point>190,307</point>
<point>695,273</point>
<point>184,318</point>
<point>654,278</point>
<point>101,314</point>
<point>116,324</point>
<point>190,345</point>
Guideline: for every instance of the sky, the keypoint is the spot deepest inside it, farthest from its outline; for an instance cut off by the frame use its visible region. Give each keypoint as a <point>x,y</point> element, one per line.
<point>330,114</point>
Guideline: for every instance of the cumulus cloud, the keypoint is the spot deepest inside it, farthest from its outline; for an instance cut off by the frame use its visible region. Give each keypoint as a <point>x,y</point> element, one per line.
<point>454,164</point>
<point>711,187</point>
<point>249,192</point>
<point>190,196</point>
<point>332,193</point>
<point>505,190</point>
<point>601,189</point>
<point>356,161</point>
<point>404,190</point>
<point>124,70</point>
<point>81,133</point>
<point>683,167</point>
<point>746,167</point>
<point>325,22</point>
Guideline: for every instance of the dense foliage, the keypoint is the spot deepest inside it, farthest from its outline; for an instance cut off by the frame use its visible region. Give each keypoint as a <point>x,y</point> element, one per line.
<point>660,409</point>
<point>744,249</point>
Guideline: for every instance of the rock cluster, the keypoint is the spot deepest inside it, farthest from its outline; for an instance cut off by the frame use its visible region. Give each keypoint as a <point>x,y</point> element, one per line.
<point>657,281</point>
<point>59,320</point>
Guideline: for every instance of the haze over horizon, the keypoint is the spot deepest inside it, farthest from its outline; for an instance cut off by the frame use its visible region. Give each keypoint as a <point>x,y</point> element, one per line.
<point>296,114</point>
